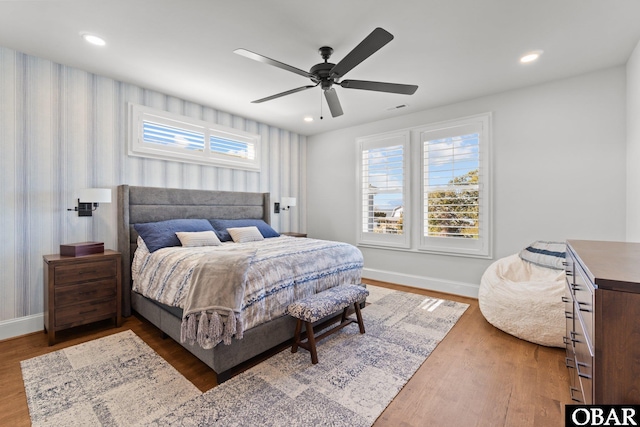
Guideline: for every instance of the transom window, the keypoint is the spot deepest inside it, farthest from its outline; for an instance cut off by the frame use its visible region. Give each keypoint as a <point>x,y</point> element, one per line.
<point>159,134</point>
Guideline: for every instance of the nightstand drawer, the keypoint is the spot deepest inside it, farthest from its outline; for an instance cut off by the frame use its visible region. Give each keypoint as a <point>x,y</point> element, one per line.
<point>85,271</point>
<point>73,294</point>
<point>82,313</point>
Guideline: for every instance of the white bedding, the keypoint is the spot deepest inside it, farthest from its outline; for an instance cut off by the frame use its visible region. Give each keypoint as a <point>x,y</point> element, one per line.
<point>283,270</point>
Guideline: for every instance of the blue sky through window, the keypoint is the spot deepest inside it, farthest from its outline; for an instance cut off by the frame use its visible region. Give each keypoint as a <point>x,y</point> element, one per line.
<point>384,174</point>
<point>155,133</point>
<point>449,158</point>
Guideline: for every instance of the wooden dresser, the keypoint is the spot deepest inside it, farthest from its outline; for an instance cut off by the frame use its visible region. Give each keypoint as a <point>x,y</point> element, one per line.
<point>602,307</point>
<point>80,290</point>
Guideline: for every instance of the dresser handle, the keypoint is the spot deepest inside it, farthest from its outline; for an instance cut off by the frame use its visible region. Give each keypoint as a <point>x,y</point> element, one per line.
<point>565,299</point>
<point>572,336</point>
<point>571,391</point>
<point>568,315</point>
<point>568,361</point>
<point>580,374</point>
<point>580,304</point>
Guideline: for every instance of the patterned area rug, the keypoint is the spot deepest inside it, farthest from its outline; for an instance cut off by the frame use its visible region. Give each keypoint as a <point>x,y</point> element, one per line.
<point>113,381</point>
<point>357,377</point>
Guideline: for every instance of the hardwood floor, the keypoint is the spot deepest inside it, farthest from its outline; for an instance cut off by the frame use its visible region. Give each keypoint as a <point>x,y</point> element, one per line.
<point>477,376</point>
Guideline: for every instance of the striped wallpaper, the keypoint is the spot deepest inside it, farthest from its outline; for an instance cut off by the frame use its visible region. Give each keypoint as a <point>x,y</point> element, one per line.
<point>64,129</point>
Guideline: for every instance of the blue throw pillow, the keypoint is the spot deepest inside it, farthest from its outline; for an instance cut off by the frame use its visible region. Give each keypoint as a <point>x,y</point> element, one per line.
<point>162,234</point>
<point>220,226</point>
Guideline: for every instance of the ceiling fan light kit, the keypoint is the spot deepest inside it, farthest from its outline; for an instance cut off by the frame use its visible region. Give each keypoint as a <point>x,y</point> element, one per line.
<point>326,74</point>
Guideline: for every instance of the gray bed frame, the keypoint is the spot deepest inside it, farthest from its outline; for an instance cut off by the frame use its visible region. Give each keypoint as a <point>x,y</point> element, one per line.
<point>150,204</point>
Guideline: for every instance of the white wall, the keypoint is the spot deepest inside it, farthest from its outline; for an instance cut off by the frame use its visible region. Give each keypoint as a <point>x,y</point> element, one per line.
<point>64,129</point>
<point>559,173</point>
<point>633,146</point>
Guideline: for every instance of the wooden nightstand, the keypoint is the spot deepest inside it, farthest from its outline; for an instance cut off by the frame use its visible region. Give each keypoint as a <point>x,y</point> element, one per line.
<point>292,234</point>
<point>80,290</point>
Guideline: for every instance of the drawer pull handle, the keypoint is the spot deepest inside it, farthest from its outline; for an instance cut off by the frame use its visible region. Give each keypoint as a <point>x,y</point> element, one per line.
<point>573,338</point>
<point>568,315</point>
<point>565,299</point>
<point>581,374</point>
<point>568,361</point>
<point>571,391</point>
<point>586,310</point>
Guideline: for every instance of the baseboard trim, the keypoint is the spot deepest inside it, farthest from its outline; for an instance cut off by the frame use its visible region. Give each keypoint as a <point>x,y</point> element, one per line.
<point>422,282</point>
<point>21,326</point>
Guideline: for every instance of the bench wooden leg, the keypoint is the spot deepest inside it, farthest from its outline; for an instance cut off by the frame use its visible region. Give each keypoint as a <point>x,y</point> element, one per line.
<point>312,342</point>
<point>359,316</point>
<point>296,336</point>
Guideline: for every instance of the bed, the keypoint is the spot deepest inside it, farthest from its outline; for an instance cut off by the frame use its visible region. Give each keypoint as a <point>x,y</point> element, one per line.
<point>141,205</point>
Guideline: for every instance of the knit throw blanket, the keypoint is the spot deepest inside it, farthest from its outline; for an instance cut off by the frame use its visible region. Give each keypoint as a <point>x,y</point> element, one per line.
<point>212,306</point>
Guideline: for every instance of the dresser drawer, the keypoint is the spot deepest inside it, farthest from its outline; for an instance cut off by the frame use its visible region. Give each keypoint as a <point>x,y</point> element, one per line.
<point>583,362</point>
<point>583,296</point>
<point>73,294</point>
<point>81,272</point>
<point>79,314</point>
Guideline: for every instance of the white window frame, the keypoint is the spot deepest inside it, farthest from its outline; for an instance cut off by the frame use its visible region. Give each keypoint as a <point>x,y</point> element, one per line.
<point>481,247</point>
<point>138,114</point>
<point>364,238</point>
<point>413,239</point>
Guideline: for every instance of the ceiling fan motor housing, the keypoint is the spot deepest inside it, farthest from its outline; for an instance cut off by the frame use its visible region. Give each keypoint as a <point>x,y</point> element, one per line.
<point>322,73</point>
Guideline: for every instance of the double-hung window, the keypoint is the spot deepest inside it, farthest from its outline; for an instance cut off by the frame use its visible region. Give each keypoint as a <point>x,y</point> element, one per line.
<point>444,169</point>
<point>162,135</point>
<point>384,190</point>
<point>456,199</point>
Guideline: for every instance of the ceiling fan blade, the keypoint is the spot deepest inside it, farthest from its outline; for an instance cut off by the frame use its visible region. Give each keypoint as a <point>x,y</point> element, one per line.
<point>334,103</point>
<point>367,47</point>
<point>278,95</point>
<point>265,60</point>
<point>379,86</point>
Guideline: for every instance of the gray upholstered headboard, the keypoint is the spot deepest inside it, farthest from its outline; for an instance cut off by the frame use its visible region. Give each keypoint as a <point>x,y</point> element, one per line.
<point>151,204</point>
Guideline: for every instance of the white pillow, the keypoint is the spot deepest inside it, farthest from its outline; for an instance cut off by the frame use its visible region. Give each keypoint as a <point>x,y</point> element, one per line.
<point>245,234</point>
<point>545,254</point>
<point>190,239</point>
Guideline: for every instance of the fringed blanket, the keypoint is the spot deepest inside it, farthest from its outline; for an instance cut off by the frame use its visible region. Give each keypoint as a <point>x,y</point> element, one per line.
<point>283,270</point>
<point>213,304</point>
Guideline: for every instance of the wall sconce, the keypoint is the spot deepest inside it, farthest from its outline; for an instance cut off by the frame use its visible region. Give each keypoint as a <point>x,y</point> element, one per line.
<point>287,202</point>
<point>89,200</point>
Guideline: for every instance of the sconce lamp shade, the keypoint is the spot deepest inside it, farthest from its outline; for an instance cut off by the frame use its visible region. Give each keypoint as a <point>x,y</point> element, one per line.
<point>95,195</point>
<point>288,201</point>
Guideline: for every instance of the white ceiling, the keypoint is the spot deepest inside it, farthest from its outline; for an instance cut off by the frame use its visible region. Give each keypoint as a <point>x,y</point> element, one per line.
<point>452,49</point>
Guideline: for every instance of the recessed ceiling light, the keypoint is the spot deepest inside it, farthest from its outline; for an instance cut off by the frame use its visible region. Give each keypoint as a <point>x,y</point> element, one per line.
<point>308,119</point>
<point>531,56</point>
<point>93,39</point>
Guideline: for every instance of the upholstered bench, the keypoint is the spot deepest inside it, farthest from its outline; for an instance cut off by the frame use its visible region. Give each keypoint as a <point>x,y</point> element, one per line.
<point>321,305</point>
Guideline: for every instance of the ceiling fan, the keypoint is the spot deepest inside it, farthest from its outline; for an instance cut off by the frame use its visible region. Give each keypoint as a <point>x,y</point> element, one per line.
<point>327,74</point>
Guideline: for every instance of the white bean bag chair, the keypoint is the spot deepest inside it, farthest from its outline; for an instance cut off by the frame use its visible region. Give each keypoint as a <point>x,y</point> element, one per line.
<point>524,300</point>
